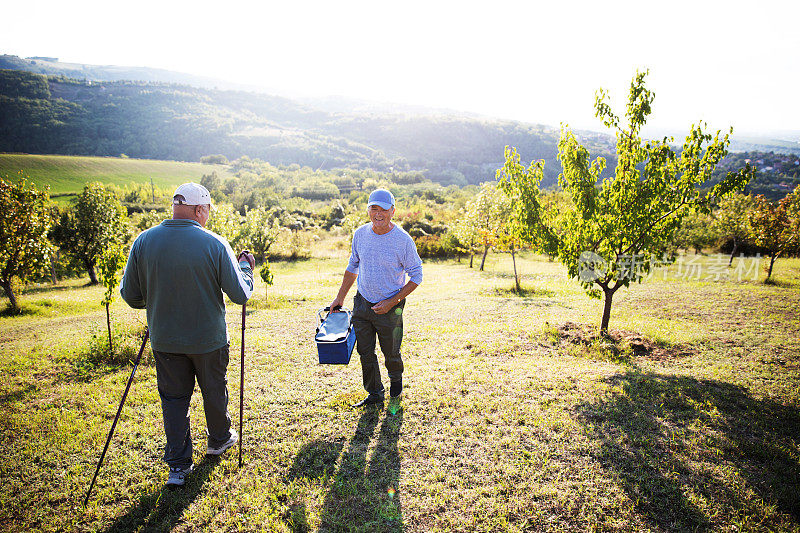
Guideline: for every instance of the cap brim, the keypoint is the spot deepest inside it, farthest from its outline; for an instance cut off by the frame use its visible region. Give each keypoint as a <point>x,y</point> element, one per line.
<point>383,205</point>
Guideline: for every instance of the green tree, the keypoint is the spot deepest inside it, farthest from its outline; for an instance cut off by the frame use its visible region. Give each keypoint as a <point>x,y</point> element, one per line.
<point>24,223</point>
<point>774,226</point>
<point>487,213</point>
<point>97,222</point>
<point>226,222</point>
<point>697,231</point>
<point>620,223</point>
<point>257,233</point>
<point>110,262</point>
<point>351,222</point>
<point>793,212</point>
<point>466,234</point>
<point>267,277</point>
<point>211,181</point>
<point>523,223</point>
<point>215,159</point>
<point>732,220</point>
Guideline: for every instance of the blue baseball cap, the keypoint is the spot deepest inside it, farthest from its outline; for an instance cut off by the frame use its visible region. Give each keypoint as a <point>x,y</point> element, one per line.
<point>382,198</point>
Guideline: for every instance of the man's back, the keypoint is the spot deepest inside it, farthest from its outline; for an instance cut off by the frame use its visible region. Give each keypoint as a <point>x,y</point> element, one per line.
<point>178,270</point>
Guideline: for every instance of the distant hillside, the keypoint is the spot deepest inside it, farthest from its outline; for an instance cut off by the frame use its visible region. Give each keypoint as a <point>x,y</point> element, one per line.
<point>59,115</point>
<point>776,175</point>
<point>51,66</point>
<point>174,116</point>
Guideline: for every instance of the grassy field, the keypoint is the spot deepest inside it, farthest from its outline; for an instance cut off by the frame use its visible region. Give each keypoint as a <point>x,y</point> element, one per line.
<point>68,174</point>
<point>515,416</point>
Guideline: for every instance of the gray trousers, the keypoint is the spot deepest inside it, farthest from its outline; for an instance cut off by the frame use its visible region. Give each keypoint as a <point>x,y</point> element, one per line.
<point>176,375</point>
<point>388,328</point>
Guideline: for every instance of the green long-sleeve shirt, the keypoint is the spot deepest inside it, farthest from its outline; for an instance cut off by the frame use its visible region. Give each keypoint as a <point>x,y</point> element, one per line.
<point>178,271</point>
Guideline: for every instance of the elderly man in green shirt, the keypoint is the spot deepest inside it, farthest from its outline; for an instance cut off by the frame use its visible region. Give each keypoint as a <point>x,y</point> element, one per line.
<point>178,271</point>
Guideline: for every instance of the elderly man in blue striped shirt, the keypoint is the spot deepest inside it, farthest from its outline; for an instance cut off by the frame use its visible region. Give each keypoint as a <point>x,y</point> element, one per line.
<point>382,256</point>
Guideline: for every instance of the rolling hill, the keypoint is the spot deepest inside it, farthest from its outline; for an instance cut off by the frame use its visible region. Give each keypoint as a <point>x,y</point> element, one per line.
<point>59,115</point>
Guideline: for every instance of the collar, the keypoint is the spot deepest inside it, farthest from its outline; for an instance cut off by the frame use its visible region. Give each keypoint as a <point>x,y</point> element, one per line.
<point>180,222</point>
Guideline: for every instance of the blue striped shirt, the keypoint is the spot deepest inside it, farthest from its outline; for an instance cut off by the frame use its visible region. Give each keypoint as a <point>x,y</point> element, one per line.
<point>382,262</point>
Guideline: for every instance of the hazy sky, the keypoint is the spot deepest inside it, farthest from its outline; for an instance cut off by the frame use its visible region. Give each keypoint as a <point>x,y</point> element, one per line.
<point>731,63</point>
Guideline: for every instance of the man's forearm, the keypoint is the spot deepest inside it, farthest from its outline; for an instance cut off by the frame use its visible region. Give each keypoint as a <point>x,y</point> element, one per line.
<point>347,282</point>
<point>405,291</point>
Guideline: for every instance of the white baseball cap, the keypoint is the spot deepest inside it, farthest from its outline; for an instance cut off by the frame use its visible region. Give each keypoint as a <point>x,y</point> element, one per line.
<point>193,194</point>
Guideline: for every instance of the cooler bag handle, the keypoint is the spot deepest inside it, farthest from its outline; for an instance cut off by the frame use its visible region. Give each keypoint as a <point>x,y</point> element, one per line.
<point>327,311</point>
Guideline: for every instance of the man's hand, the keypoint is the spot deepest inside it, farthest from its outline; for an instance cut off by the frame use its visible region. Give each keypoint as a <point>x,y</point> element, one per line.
<point>384,306</point>
<point>247,257</point>
<point>336,305</point>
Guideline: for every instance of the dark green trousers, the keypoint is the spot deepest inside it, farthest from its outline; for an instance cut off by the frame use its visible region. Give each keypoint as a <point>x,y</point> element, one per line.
<point>388,329</point>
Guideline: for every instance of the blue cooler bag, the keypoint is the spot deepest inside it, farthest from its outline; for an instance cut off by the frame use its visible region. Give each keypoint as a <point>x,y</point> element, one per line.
<point>335,337</point>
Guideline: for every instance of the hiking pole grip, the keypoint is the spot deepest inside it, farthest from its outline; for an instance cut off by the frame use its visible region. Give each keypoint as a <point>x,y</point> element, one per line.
<point>116,418</point>
<point>241,388</point>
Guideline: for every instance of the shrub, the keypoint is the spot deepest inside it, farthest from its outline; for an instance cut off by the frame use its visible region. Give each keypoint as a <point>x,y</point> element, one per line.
<point>291,245</point>
<point>215,159</point>
<point>127,339</point>
<point>431,246</point>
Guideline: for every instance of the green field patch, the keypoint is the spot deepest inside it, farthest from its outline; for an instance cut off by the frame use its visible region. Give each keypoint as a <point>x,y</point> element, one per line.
<point>67,175</point>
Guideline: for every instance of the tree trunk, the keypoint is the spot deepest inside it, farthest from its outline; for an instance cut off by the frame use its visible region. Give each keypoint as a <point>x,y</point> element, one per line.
<point>10,293</point>
<point>483,259</point>
<point>108,321</point>
<point>608,296</point>
<point>53,268</point>
<point>733,252</point>
<point>471,251</point>
<point>92,274</point>
<point>516,276</point>
<point>771,262</point>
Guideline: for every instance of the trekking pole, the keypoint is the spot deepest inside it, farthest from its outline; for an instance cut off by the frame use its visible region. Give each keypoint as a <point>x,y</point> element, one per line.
<point>241,373</point>
<point>241,388</point>
<point>119,411</point>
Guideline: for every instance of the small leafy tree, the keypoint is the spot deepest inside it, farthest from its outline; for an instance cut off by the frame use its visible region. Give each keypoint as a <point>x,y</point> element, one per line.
<point>467,235</point>
<point>620,223</point>
<point>227,223</point>
<point>267,277</point>
<point>697,231</point>
<point>110,262</point>
<point>793,211</point>
<point>258,233</point>
<point>97,222</point>
<point>774,226</point>
<point>353,221</point>
<point>24,223</point>
<point>148,219</point>
<point>487,213</point>
<point>733,220</point>
<point>521,186</point>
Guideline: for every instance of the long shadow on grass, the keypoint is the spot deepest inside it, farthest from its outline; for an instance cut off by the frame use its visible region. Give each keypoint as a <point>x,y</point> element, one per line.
<point>364,495</point>
<point>667,438</point>
<point>315,462</point>
<point>161,510</point>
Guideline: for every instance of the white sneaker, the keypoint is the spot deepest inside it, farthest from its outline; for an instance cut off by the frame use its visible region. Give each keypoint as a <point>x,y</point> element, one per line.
<point>227,444</point>
<point>177,476</point>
